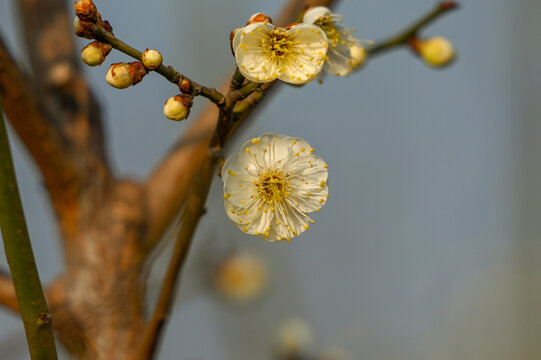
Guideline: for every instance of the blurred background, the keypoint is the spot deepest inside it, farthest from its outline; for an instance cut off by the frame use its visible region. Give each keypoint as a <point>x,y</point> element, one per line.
<point>428,247</point>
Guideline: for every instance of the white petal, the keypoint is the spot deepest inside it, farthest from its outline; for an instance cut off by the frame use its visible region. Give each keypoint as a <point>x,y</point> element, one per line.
<point>242,32</point>
<point>261,222</point>
<point>279,150</point>
<point>310,36</point>
<point>239,190</point>
<point>310,54</point>
<point>240,163</point>
<point>309,183</point>
<point>300,147</point>
<point>297,220</point>
<point>252,65</point>
<point>272,236</point>
<point>272,150</point>
<point>311,167</point>
<point>339,61</point>
<point>251,60</point>
<point>280,225</point>
<point>315,13</point>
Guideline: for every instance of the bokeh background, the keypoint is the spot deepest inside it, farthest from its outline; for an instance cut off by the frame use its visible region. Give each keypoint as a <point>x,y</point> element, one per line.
<point>429,245</point>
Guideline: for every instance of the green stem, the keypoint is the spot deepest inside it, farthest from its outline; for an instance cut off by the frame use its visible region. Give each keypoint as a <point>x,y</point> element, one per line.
<point>237,79</point>
<point>411,32</point>
<point>167,72</point>
<point>244,91</point>
<point>32,305</point>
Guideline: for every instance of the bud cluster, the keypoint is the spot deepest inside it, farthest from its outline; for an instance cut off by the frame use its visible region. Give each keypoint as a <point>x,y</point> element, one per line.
<point>87,17</point>
<point>86,10</point>
<point>123,75</point>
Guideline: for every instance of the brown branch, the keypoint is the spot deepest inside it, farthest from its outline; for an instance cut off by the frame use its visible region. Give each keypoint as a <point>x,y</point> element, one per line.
<point>190,218</point>
<point>7,292</point>
<point>54,113</point>
<point>168,187</point>
<point>167,72</point>
<point>54,154</point>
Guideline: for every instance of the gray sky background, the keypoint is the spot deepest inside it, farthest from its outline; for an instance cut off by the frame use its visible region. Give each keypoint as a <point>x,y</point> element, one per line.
<point>426,248</point>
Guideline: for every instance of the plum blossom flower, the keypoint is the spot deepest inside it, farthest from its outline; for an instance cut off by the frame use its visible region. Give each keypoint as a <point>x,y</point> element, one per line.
<point>271,184</point>
<point>264,52</point>
<point>345,51</point>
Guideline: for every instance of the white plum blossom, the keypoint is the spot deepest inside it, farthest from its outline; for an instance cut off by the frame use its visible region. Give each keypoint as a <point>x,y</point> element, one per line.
<point>264,52</point>
<point>345,51</point>
<point>271,184</point>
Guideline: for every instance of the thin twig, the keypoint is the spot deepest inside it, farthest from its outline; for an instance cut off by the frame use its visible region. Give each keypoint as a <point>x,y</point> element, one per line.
<point>243,92</point>
<point>168,72</point>
<point>410,32</point>
<point>32,305</point>
<point>190,218</point>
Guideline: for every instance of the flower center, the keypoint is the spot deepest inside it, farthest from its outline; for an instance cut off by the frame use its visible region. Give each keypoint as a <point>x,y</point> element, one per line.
<point>277,44</point>
<point>273,186</point>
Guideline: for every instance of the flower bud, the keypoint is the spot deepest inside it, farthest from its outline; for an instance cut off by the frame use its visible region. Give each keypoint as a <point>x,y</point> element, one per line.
<point>259,18</point>
<point>186,86</point>
<point>77,25</point>
<point>86,10</point>
<point>83,28</point>
<point>358,55</point>
<point>94,53</point>
<point>152,59</point>
<point>436,51</point>
<point>122,75</point>
<point>177,107</point>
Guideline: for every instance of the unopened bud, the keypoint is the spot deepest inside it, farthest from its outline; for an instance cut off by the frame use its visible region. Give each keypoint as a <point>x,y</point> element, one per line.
<point>358,55</point>
<point>122,75</point>
<point>83,28</point>
<point>77,25</point>
<point>86,10</point>
<point>94,53</point>
<point>186,86</point>
<point>436,51</point>
<point>259,18</point>
<point>177,107</point>
<point>152,59</point>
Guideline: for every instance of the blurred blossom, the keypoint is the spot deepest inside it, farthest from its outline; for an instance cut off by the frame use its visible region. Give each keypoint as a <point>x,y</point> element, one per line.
<point>294,338</point>
<point>241,276</point>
